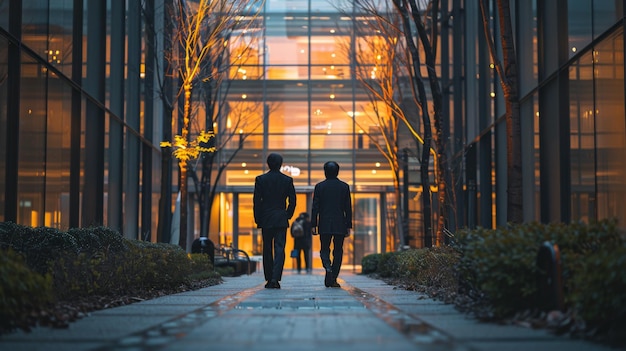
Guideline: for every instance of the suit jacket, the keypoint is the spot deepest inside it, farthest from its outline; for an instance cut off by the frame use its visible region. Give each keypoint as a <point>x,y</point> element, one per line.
<point>331,212</point>
<point>270,207</point>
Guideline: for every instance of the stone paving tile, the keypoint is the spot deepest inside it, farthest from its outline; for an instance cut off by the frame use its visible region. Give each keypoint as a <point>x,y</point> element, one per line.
<point>47,346</point>
<point>142,310</point>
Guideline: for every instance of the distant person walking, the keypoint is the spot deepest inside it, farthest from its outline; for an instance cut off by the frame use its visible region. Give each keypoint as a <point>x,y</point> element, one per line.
<point>302,241</point>
<point>332,215</point>
<point>274,202</point>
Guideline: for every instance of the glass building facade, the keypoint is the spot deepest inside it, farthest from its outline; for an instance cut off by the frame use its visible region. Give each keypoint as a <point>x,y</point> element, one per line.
<point>82,115</point>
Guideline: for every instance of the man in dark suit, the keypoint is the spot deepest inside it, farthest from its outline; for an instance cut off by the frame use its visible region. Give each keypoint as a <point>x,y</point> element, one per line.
<point>272,213</point>
<point>332,215</point>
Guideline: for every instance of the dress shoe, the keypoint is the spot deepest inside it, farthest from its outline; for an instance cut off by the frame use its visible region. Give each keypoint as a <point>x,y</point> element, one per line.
<point>335,285</point>
<point>274,284</point>
<point>328,279</point>
<point>268,285</point>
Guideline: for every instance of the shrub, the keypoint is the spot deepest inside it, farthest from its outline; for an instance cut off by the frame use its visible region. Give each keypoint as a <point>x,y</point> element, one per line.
<point>501,264</point>
<point>438,268</point>
<point>22,291</point>
<point>96,240</point>
<point>45,265</point>
<point>432,267</point>
<point>387,264</point>
<point>201,267</point>
<point>39,246</point>
<point>147,265</point>
<point>597,290</point>
<point>369,263</point>
<point>498,269</point>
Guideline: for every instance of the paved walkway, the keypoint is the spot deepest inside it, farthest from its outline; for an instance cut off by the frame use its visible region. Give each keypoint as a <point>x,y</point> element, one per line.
<point>365,314</point>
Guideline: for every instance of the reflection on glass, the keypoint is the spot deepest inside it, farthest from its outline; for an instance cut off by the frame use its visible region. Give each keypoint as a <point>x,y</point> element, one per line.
<point>610,128</point>
<point>32,146</point>
<point>582,138</point>
<point>580,25</point>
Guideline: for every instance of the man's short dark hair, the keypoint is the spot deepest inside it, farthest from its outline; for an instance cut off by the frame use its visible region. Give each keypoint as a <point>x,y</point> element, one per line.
<point>274,161</point>
<point>331,169</point>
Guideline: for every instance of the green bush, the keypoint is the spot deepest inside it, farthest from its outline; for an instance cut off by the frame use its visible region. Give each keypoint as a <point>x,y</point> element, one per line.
<point>95,240</point>
<point>369,263</point>
<point>434,267</point>
<point>387,264</point>
<point>501,265</point>
<point>597,290</point>
<point>22,291</point>
<point>498,268</point>
<point>39,246</point>
<point>201,267</point>
<point>95,261</point>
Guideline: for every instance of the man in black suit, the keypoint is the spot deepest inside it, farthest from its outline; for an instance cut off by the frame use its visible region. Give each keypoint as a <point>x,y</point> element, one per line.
<point>272,213</point>
<point>332,215</point>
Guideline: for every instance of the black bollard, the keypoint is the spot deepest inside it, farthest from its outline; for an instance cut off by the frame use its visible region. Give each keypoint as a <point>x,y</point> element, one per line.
<point>205,246</point>
<point>549,281</point>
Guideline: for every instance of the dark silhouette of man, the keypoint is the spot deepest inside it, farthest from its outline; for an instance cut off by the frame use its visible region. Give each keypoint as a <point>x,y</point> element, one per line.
<point>302,244</point>
<point>331,213</point>
<point>274,202</point>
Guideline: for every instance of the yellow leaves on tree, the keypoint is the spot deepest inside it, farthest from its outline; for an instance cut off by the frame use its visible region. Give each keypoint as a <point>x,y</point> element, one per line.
<point>185,150</point>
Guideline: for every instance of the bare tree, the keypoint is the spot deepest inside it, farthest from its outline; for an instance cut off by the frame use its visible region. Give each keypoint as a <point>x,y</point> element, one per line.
<point>507,71</point>
<point>422,17</point>
<point>379,81</point>
<point>199,29</point>
<point>236,60</point>
<point>377,56</point>
<point>401,54</point>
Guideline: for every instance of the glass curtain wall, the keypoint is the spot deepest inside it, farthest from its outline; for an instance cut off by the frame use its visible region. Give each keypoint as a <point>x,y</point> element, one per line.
<point>44,115</point>
<point>610,127</point>
<point>50,114</point>
<point>583,80</point>
<point>597,122</point>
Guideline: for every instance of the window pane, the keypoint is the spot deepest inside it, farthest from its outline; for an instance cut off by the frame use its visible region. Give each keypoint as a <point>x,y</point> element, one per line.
<point>582,138</point>
<point>32,144</point>
<point>3,111</point>
<point>610,128</point>
<point>579,23</point>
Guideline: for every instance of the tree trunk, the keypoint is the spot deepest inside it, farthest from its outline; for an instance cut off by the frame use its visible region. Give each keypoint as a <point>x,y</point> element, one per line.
<point>513,124</point>
<point>205,194</point>
<point>182,240</point>
<point>508,81</point>
<point>422,100</point>
<point>427,210</point>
